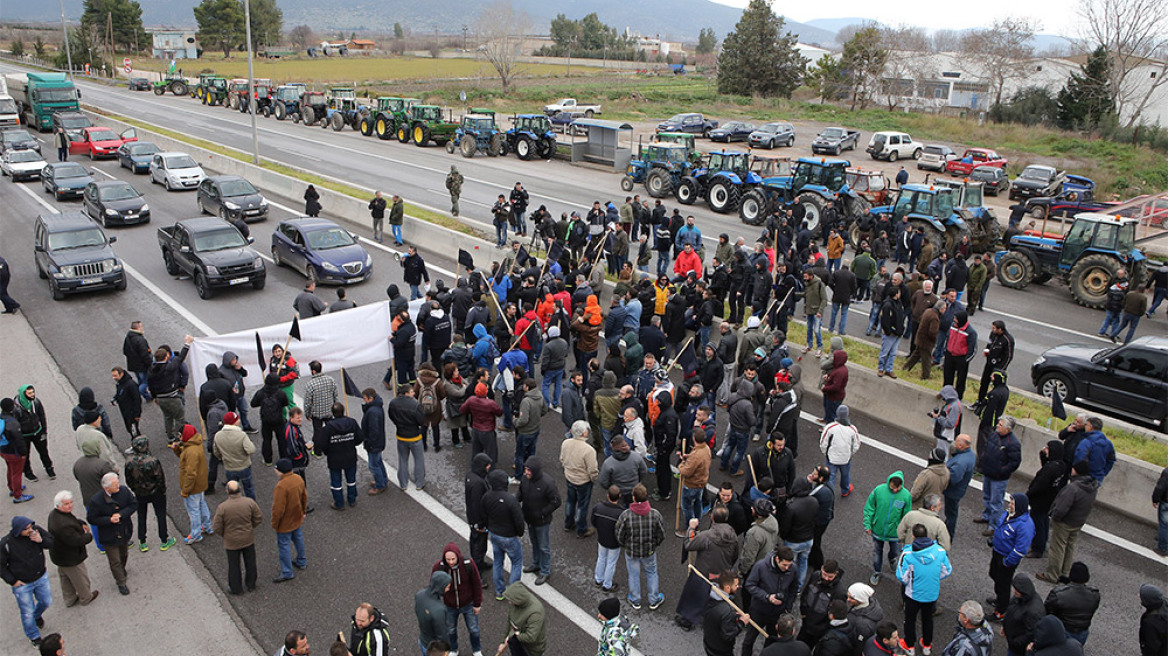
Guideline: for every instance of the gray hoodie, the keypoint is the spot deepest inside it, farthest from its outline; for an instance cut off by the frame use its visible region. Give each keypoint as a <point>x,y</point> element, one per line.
<point>741,405</point>
<point>623,468</point>
<point>945,423</point>
<point>431,610</point>
<point>531,410</point>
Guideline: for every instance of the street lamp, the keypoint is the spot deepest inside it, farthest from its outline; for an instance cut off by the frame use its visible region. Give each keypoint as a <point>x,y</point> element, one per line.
<point>65,29</point>
<point>251,100</point>
<point>464,38</point>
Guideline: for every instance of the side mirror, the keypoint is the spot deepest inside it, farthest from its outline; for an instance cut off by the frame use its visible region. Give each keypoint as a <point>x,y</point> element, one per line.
<point>112,239</point>
<point>184,249</point>
<point>38,248</point>
<point>251,240</point>
<point>93,172</point>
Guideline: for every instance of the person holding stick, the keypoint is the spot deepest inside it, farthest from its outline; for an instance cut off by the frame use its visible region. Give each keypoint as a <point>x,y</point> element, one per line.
<point>773,586</point>
<point>722,621</point>
<point>695,473</point>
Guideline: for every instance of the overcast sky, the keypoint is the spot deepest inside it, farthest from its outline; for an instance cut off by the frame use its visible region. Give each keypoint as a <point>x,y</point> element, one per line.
<point>1057,17</point>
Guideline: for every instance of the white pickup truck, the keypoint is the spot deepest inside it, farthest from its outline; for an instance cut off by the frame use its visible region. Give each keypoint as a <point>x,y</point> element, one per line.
<point>570,105</point>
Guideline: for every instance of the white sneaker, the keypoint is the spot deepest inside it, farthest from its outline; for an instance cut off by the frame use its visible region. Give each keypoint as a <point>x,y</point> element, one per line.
<point>478,653</point>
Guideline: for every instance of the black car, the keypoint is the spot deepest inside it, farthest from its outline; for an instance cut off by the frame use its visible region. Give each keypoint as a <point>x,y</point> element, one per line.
<point>231,197</point>
<point>689,123</point>
<point>75,255</point>
<point>140,84</point>
<point>994,179</point>
<point>18,139</point>
<point>135,155</point>
<point>731,131</point>
<point>1130,380</point>
<point>72,123</point>
<point>65,179</point>
<point>111,202</point>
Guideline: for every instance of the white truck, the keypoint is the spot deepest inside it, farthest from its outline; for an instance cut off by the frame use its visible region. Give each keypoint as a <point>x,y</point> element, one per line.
<point>572,106</point>
<point>9,112</point>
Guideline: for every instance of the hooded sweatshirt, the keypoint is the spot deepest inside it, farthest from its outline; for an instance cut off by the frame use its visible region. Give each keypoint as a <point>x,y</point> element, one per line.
<point>107,451</point>
<point>192,466</point>
<point>836,383</point>
<point>1022,614</point>
<point>86,402</point>
<point>89,469</point>
<point>537,494</point>
<point>480,353</point>
<point>501,511</point>
<point>1154,621</point>
<point>526,615</point>
<point>235,376</point>
<point>1051,478</point>
<point>716,549</point>
<point>921,569</point>
<point>840,440</point>
<point>623,469</point>
<point>798,524</point>
<point>946,422</point>
<point>474,487</point>
<point>884,509</point>
<point>760,541</point>
<point>430,609</point>
<point>1051,639</point>
<point>1014,532</point>
<point>466,587</point>
<point>21,559</point>
<point>144,473</point>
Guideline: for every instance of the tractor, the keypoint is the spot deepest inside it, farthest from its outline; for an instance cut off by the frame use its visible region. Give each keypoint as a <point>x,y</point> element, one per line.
<point>236,93</point>
<point>813,182</point>
<point>286,101</point>
<point>660,167</point>
<point>388,114</point>
<point>213,91</point>
<point>683,138</point>
<point>932,207</point>
<point>173,83</point>
<point>427,123</point>
<point>199,89</point>
<point>985,230</point>
<point>869,183</point>
<point>531,136</point>
<point>313,108</point>
<point>344,109</point>
<point>261,101</point>
<point>1086,258</point>
<point>722,180</point>
<point>477,132</point>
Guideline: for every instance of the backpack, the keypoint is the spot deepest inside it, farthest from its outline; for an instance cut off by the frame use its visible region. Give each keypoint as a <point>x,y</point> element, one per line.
<point>493,349</point>
<point>272,407</point>
<point>3,435</point>
<point>429,399</point>
<point>30,424</point>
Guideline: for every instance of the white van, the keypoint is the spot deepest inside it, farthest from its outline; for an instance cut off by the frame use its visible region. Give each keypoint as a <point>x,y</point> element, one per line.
<point>893,146</point>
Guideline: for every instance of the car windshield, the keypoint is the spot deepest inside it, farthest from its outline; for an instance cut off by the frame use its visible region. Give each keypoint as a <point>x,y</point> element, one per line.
<point>327,238</point>
<point>240,187</point>
<point>70,171</point>
<point>63,241</point>
<point>733,125</point>
<point>103,135</point>
<point>180,162</point>
<point>7,106</point>
<point>142,149</point>
<point>118,192</point>
<point>678,118</point>
<point>24,156</point>
<point>70,122</point>
<point>219,240</point>
<point>832,133</point>
<point>18,136</point>
<point>933,150</point>
<point>1032,173</point>
<point>770,128</point>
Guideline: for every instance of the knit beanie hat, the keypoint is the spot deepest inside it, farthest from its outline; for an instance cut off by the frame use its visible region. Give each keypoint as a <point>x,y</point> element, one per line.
<point>481,390</point>
<point>938,455</point>
<point>7,405</point>
<point>1079,573</point>
<point>230,418</point>
<point>188,431</point>
<point>843,415</point>
<point>283,465</point>
<point>861,592</point>
<point>610,608</point>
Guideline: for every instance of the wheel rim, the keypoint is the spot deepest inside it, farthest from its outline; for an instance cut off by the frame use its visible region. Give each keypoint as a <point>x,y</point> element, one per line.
<point>719,196</point>
<point>750,209</point>
<point>1054,385</point>
<point>1096,281</point>
<point>418,135</point>
<point>524,148</point>
<point>655,185</point>
<point>380,126</point>
<point>684,193</point>
<point>1013,272</point>
<point>811,215</point>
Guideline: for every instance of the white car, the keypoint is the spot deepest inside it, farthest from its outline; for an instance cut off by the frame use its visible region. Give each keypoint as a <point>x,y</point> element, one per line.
<point>175,171</point>
<point>21,164</point>
<point>935,157</point>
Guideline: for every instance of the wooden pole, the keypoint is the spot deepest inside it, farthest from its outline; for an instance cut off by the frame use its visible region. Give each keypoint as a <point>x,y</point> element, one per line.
<point>344,392</point>
<point>286,343</point>
<point>684,346</point>
<point>677,519</point>
<point>498,305</point>
<point>516,339</point>
<point>750,464</point>
<point>722,593</point>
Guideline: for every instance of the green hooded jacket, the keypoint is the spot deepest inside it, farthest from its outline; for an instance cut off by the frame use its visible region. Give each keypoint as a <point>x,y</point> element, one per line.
<point>634,353</point>
<point>526,618</point>
<point>885,508</point>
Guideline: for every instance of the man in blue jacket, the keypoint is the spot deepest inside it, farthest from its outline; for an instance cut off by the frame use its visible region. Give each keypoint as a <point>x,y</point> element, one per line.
<point>920,570</point>
<point>373,426</point>
<point>1096,449</point>
<point>1013,532</point>
<point>1000,458</point>
<point>961,465</point>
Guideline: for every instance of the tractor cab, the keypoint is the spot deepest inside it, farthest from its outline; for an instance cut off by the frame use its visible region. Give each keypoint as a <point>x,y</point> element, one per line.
<point>967,195</point>
<point>342,98</point>
<point>918,201</point>
<point>425,113</point>
<point>666,154</point>
<point>822,174</point>
<point>475,123</point>
<point>289,92</point>
<point>684,139</point>
<point>1108,235</point>
<point>538,124</point>
<point>869,183</point>
<point>218,83</point>
<point>394,105</point>
<point>314,98</point>
<point>770,167</point>
<point>263,92</point>
<point>729,162</point>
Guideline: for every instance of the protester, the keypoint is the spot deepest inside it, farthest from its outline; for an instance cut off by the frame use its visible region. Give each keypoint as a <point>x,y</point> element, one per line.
<point>1074,602</point>
<point>887,504</point>
<point>145,478</point>
<point>235,520</point>
<point>1068,513</point>
<point>68,550</point>
<point>430,609</point>
<point>973,637</point>
<point>463,596</point>
<point>922,567</point>
<point>527,621</point>
<point>22,566</point>
<point>1012,534</point>
<point>640,530</point>
<point>839,442</point>
<point>112,510</point>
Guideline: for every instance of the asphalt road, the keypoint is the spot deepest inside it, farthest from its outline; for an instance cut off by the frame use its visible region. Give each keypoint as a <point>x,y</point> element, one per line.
<point>382,550</point>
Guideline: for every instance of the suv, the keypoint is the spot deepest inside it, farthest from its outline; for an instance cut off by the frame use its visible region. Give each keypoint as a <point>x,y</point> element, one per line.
<point>1130,380</point>
<point>231,197</point>
<point>75,255</point>
<point>934,158</point>
<point>892,146</point>
<point>770,135</point>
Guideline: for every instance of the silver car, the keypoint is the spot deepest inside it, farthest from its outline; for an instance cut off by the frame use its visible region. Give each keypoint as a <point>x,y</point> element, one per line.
<point>934,158</point>
<point>175,171</point>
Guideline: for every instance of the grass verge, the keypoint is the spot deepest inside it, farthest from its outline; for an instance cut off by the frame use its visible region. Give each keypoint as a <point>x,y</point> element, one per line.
<point>332,185</point>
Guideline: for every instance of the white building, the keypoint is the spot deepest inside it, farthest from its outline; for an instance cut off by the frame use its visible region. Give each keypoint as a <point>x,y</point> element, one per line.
<point>174,44</point>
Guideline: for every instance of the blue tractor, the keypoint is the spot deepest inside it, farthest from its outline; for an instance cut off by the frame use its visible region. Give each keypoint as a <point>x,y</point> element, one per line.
<point>286,101</point>
<point>812,183</point>
<point>531,135</point>
<point>1087,258</point>
<point>477,132</point>
<point>932,208</point>
<point>723,180</point>
<point>660,167</point>
<point>985,231</point>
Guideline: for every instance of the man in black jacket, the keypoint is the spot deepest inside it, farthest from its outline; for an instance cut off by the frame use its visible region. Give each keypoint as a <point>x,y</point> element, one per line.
<point>112,511</point>
<point>841,638</point>
<point>1075,602</point>
<point>164,382</point>
<point>999,352</point>
<point>474,489</point>
<point>721,623</point>
<point>539,499</point>
<point>504,521</point>
<point>773,587</point>
<point>1045,485</point>
<point>773,460</point>
<point>22,566</point>
<point>891,329</point>
<point>338,442</point>
<point>843,287</point>
<point>825,586</point>
<point>797,525</point>
<point>138,355</point>
<point>414,272</point>
<point>373,427</point>
<point>404,348</point>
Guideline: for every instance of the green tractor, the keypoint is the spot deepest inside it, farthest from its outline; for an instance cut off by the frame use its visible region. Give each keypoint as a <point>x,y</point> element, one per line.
<point>213,91</point>
<point>386,116</point>
<point>173,83</point>
<point>427,123</point>
<point>660,167</point>
<point>478,132</point>
<point>345,109</point>
<point>199,89</point>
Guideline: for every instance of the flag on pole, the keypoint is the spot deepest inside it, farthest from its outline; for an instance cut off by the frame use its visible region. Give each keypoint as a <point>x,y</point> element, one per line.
<point>688,358</point>
<point>556,252</point>
<point>522,257</point>
<point>351,388</point>
<point>465,259</point>
<point>1056,405</point>
<point>260,352</point>
<point>294,331</point>
<point>500,273</point>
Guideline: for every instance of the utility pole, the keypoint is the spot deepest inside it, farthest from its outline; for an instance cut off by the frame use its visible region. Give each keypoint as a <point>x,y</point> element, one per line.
<point>464,38</point>
<point>65,30</point>
<point>255,135</point>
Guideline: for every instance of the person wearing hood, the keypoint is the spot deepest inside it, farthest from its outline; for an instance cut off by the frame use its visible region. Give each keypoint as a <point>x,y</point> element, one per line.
<point>22,566</point>
<point>482,411</point>
<point>1068,513</point>
<point>932,480</point>
<point>437,333</point>
<point>1153,622</point>
<point>474,489</point>
<point>526,622</point>
<point>527,424</point>
<point>947,419</point>
<point>430,609</point>
<point>463,596</point>
<point>773,586</point>
<point>1051,639</point>
<point>484,351</point>
<point>88,430</point>
<point>1074,602</point>
<point>34,429</point>
<point>215,387</point>
<point>839,443</point>
<point>1011,537</point>
<point>234,449</point>
<point>640,531</point>
<point>164,383</point>
<point>192,482</point>
<point>234,372</point>
<point>69,549</point>
<point>798,524</point>
<point>666,426</point>
<point>587,328</point>
<point>504,520</point>
<point>145,478</point>
<point>14,450</point>
<point>973,636</point>
<point>922,567</point>
<point>740,406</point>
<point>86,402</point>
<point>552,364</point>
<point>397,302</point>
<point>886,506</point>
<point>369,635</point>
<point>1043,489</point>
<point>128,399</point>
<point>539,499</point>
<point>825,586</point>
<point>835,383</point>
<point>1021,616</point>
<point>624,468</point>
<point>111,510</point>
<point>272,402</point>
<point>1095,448</point>
<point>373,427</point>
<point>865,612</point>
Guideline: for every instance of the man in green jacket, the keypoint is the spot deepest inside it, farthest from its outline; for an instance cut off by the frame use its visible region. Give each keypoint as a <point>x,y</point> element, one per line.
<point>397,212</point>
<point>864,266</point>
<point>886,506</point>
<point>814,300</point>
<point>977,280</point>
<point>526,623</point>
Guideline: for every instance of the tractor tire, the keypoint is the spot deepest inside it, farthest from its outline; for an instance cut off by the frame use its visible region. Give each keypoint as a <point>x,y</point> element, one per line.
<point>932,235</point>
<point>295,117</point>
<point>403,134</point>
<point>422,136</point>
<point>200,93</point>
<point>281,111</point>
<point>1138,273</point>
<point>267,111</point>
<point>546,148</point>
<point>179,89</point>
<point>1090,278</point>
<point>953,235</point>
<point>383,129</point>
<point>158,91</point>
<point>234,102</point>
<point>338,122</point>
<point>627,183</point>
<point>987,236</point>
<point>468,146</point>
<point>813,206</point>
<point>854,233</point>
<point>309,116</point>
<point>451,147</point>
<point>856,207</point>
<point>723,196</point>
<point>203,99</point>
<point>753,208</point>
<point>365,126</point>
<point>524,148</point>
<point>1015,270</point>
<point>496,146</point>
<point>659,183</point>
<point>687,191</point>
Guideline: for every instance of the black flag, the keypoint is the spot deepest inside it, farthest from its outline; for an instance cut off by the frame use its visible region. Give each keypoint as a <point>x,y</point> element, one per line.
<point>465,259</point>
<point>522,257</point>
<point>688,358</point>
<point>555,252</point>
<point>500,273</point>
<point>1056,405</point>
<point>294,331</point>
<point>351,388</point>
<point>260,352</point>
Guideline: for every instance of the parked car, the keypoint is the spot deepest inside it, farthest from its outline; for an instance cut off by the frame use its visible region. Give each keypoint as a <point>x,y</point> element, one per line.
<point>1036,181</point>
<point>732,131</point>
<point>773,134</point>
<point>1129,380</point>
<point>112,202</point>
<point>75,255</point>
<point>564,122</point>
<point>835,140</point>
<point>213,253</point>
<point>65,179</point>
<point>935,157</point>
<point>18,139</point>
<point>21,164</point>
<point>136,155</point>
<point>994,180</point>
<point>231,197</point>
<point>101,142</point>
<point>320,249</point>
<point>72,123</point>
<point>689,122</point>
<point>175,171</point>
<point>892,146</point>
<point>139,84</point>
<point>570,105</point>
<point>973,158</point>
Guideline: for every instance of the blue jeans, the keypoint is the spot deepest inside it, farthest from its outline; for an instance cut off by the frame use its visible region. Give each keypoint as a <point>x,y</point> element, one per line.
<point>1110,321</point>
<point>472,627</point>
<point>338,490</point>
<point>835,310</point>
<point>802,550</point>
<point>878,553</point>
<point>520,219</point>
<point>377,470</point>
<point>554,377</point>
<point>888,344</point>
<point>1162,531</point>
<point>981,299</point>
<point>512,548</point>
<point>284,544</point>
<point>241,407</point>
<point>1129,321</point>
<point>942,342</point>
<point>97,540</point>
<point>541,547</point>
<point>833,264</point>
<point>244,478</point>
<point>691,502</point>
<point>415,292</point>
<point>142,388</point>
<point>397,234</point>
<point>524,449</point>
<point>500,233</point>
<point>662,263</point>
<point>992,495</point>
<point>873,318</point>
<point>814,326</point>
<point>33,598</point>
<point>197,512</point>
<point>605,565</point>
<point>952,509</point>
<point>704,335</point>
<point>829,408</point>
<point>1081,636</point>
<point>845,474</point>
<point>635,565</point>
<point>406,451</point>
<point>576,500</point>
<point>735,444</point>
<point>1158,295</point>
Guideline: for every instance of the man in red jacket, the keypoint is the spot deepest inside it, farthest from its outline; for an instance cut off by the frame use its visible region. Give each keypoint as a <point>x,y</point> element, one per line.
<point>687,261</point>
<point>464,595</point>
<point>835,383</point>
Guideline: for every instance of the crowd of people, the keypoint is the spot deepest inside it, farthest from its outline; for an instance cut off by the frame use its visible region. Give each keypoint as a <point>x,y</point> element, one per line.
<point>696,339</point>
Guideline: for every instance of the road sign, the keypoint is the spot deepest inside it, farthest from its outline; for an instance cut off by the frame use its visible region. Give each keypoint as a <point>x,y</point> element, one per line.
<point>462,96</point>
<point>129,68</point>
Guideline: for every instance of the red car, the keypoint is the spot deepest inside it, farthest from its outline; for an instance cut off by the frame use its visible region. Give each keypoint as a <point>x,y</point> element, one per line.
<point>973,158</point>
<point>101,142</point>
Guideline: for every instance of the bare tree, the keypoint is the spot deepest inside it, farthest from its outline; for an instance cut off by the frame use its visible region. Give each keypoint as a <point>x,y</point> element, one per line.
<point>909,62</point>
<point>1002,53</point>
<point>502,28</point>
<point>1135,34</point>
<point>946,40</point>
<point>301,36</point>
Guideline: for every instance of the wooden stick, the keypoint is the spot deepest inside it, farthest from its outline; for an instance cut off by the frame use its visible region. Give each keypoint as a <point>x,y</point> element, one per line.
<point>286,343</point>
<point>767,314</point>
<point>750,464</point>
<point>498,305</point>
<point>684,346</point>
<point>516,339</point>
<point>722,593</point>
<point>677,519</point>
